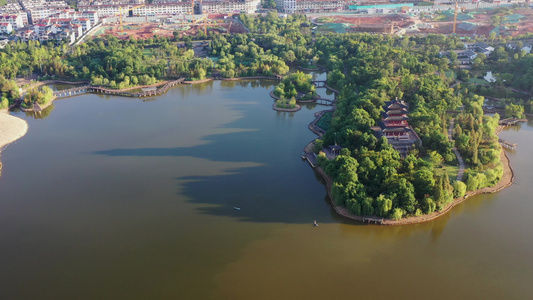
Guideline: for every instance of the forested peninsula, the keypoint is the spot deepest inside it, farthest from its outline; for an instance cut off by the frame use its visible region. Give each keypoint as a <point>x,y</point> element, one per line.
<point>369,176</point>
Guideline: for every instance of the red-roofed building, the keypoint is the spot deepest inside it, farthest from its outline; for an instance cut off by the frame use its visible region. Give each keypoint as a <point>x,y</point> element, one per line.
<point>6,28</point>
<point>84,22</point>
<point>14,20</point>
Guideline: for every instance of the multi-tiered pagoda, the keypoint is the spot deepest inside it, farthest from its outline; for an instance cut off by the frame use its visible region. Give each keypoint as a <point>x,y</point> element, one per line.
<point>394,125</point>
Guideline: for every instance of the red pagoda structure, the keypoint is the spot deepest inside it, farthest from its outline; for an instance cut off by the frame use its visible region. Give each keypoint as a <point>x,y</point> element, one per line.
<point>394,125</point>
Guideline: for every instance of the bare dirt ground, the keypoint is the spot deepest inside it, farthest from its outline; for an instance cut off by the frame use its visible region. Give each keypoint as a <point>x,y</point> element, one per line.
<point>484,25</point>
<point>374,23</point>
<point>149,30</point>
<point>480,24</point>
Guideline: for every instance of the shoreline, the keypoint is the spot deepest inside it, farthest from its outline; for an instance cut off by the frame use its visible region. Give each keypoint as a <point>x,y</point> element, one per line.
<point>296,108</point>
<point>11,129</point>
<point>506,181</point>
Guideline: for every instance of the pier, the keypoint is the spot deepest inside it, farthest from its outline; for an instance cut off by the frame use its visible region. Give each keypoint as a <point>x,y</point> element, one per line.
<point>511,121</point>
<point>507,144</point>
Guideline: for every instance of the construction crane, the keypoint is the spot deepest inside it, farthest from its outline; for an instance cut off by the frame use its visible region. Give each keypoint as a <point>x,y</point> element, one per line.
<point>121,13</point>
<point>204,24</point>
<point>455,15</point>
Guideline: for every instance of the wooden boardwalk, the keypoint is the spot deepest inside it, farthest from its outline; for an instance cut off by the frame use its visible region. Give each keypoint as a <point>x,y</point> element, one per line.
<point>71,92</point>
<point>103,90</point>
<point>508,144</point>
<point>511,121</point>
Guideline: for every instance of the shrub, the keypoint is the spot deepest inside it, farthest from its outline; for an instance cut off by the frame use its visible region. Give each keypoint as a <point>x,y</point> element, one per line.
<point>4,103</point>
<point>397,214</point>
<point>459,189</point>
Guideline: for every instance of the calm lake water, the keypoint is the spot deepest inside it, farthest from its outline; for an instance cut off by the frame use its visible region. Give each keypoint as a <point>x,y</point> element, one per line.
<point>120,198</point>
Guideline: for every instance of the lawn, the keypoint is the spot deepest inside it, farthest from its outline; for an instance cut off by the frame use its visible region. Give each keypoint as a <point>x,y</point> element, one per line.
<point>452,168</point>
<point>325,120</point>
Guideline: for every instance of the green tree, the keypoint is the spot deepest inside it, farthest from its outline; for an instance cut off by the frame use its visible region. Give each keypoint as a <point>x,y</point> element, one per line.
<point>459,189</point>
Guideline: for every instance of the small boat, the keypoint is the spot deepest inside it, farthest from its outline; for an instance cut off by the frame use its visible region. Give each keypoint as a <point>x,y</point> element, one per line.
<point>236,208</point>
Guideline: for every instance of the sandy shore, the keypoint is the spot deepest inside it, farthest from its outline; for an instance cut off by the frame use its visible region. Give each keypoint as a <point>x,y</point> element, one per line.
<point>11,129</point>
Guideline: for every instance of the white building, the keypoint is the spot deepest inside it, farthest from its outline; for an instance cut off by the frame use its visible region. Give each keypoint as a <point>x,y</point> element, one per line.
<point>85,23</point>
<point>310,6</point>
<point>489,77</point>
<point>230,6</point>
<point>177,8</point>
<point>113,8</point>
<point>14,8</point>
<point>14,20</point>
<point>40,9</point>
<point>6,28</point>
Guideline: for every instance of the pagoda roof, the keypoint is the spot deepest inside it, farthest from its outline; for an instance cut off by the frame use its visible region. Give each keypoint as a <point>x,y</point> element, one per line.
<point>395,103</point>
<point>384,126</point>
<point>396,118</point>
<point>396,129</point>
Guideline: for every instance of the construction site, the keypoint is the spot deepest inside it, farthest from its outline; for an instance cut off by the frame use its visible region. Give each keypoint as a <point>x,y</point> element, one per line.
<point>472,22</point>
<point>124,25</point>
<point>150,29</point>
<point>403,20</point>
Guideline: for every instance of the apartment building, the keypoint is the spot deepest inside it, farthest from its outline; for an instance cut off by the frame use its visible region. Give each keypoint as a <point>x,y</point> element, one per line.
<point>84,23</point>
<point>40,9</point>
<point>173,8</point>
<point>14,8</point>
<point>14,20</point>
<point>310,6</point>
<point>6,28</point>
<point>167,7</point>
<point>111,2</point>
<point>92,16</point>
<point>230,6</point>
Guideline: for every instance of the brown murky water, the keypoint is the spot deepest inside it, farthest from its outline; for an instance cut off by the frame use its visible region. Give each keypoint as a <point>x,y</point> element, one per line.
<point>115,198</point>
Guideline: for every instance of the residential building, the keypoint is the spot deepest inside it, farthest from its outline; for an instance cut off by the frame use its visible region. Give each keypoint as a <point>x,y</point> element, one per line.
<point>465,57</point>
<point>40,9</point>
<point>310,6</point>
<point>525,45</point>
<point>14,20</point>
<point>167,7</point>
<point>14,8</point>
<point>480,48</point>
<point>85,23</point>
<point>6,28</point>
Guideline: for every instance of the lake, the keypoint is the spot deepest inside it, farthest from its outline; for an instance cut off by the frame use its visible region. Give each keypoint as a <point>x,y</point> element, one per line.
<point>121,198</point>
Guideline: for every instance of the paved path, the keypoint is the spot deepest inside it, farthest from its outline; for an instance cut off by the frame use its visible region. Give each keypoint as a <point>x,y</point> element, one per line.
<point>456,152</point>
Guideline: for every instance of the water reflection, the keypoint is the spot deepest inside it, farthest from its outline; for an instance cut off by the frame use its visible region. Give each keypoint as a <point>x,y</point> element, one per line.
<point>45,113</point>
<point>126,196</point>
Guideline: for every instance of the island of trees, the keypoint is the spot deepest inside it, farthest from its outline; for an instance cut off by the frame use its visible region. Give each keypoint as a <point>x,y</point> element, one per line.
<point>369,177</point>
<point>297,86</point>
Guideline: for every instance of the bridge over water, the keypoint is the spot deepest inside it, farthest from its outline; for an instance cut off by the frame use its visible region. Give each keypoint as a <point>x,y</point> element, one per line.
<point>102,90</point>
